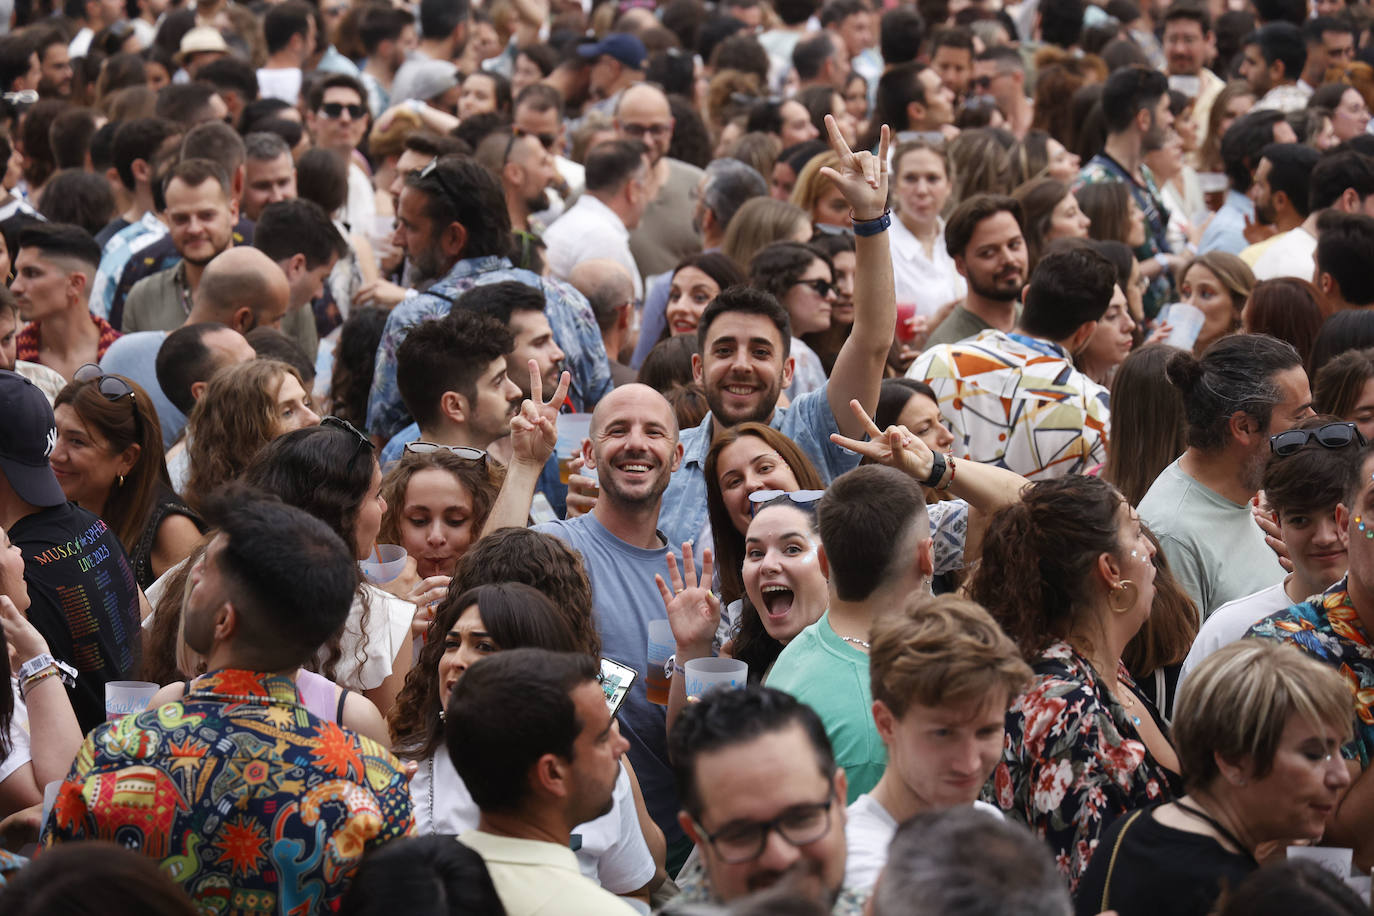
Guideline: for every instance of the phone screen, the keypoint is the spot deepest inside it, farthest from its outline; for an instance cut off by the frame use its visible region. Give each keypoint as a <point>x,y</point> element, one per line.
<point>616,680</point>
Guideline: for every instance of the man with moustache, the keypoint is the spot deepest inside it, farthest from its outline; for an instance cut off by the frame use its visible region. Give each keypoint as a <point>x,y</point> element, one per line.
<point>453,378</point>
<point>984,238</point>
<point>1015,399</point>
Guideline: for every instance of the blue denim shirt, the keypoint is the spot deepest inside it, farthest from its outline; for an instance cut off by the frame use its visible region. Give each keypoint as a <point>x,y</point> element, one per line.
<point>573,322</point>
<point>808,422</point>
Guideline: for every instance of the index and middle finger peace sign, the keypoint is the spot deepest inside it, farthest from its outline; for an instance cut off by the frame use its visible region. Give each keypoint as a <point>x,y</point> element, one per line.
<point>534,428</point>
<point>896,447</point>
<point>862,176</point>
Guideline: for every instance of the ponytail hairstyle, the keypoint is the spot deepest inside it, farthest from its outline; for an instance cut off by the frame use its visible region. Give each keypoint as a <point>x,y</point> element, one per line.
<point>1039,555</point>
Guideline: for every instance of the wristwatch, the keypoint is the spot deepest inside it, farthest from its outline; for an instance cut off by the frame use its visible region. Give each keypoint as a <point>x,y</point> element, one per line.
<point>937,470</point>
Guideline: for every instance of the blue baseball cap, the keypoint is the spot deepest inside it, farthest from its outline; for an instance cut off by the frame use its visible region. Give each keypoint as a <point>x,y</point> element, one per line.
<point>626,48</point>
<point>30,436</point>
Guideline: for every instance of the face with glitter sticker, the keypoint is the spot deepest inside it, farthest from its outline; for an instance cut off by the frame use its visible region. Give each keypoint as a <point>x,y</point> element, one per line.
<point>782,575</point>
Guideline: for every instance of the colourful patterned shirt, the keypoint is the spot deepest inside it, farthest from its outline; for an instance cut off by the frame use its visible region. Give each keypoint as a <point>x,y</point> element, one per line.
<point>571,318</point>
<point>1327,627</point>
<point>122,247</point>
<point>1072,761</point>
<point>250,803</point>
<point>1019,403</point>
<point>1102,168</point>
<point>29,340</point>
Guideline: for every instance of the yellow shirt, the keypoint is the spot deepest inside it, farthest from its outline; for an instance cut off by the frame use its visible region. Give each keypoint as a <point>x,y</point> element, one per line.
<point>535,878</point>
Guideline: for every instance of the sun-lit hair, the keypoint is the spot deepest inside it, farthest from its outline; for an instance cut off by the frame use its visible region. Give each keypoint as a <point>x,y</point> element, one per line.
<point>482,480</point>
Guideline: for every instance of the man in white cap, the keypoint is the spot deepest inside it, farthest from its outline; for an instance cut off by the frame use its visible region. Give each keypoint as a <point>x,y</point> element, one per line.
<point>200,46</point>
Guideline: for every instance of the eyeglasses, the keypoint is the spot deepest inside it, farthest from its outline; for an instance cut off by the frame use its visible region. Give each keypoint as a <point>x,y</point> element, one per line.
<point>1332,435</point>
<point>805,499</point>
<point>640,131</point>
<point>744,841</point>
<point>341,423</point>
<point>467,453</point>
<point>111,388</point>
<point>981,82</point>
<point>823,288</point>
<point>336,110</point>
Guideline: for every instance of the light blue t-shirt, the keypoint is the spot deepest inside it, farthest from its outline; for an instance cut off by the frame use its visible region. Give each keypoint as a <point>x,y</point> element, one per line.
<point>134,356</point>
<point>624,600</point>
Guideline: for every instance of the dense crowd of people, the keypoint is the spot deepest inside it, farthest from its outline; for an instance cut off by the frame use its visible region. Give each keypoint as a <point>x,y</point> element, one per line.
<point>408,411</point>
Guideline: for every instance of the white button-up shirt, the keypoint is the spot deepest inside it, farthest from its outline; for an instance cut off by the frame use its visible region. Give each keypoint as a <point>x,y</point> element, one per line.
<point>588,230</point>
<point>926,282</point>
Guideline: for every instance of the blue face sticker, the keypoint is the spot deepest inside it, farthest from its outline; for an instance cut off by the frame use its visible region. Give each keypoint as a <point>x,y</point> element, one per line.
<point>1360,525</point>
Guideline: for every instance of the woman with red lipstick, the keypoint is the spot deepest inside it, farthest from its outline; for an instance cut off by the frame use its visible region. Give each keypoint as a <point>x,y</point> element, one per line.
<point>1259,732</point>
<point>696,281</point>
<point>108,458</point>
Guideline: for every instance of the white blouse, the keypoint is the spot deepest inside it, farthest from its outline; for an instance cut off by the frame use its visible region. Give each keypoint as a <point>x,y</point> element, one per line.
<point>928,283</point>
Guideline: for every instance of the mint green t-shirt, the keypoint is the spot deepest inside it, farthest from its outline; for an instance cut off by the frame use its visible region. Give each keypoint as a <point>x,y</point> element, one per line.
<point>831,676</point>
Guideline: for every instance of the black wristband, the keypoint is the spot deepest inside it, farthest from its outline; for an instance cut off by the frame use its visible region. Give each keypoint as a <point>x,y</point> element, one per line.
<point>937,470</point>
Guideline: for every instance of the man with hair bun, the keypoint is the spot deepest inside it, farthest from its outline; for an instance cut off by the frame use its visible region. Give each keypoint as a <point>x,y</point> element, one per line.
<point>1244,389</point>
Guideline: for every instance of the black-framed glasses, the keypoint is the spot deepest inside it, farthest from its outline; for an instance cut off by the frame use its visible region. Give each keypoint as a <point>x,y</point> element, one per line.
<point>335,110</point>
<point>743,841</point>
<point>341,423</point>
<point>111,388</point>
<point>802,499</point>
<point>466,452</point>
<point>823,288</point>
<point>640,131</point>
<point>1332,435</point>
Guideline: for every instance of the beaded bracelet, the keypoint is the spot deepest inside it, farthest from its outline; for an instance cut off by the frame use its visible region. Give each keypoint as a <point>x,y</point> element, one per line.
<point>26,685</point>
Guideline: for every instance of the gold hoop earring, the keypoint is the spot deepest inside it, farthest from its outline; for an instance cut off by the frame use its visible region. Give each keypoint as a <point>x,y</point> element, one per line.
<point>1126,590</point>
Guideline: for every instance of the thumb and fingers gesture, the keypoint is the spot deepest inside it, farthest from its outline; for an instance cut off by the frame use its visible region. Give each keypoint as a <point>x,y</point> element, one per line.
<point>896,447</point>
<point>862,176</point>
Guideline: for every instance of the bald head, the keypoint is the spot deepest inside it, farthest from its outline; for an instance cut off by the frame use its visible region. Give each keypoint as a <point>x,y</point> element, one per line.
<point>637,401</point>
<point>634,447</point>
<point>242,288</point>
<point>607,286</point>
<point>643,114</point>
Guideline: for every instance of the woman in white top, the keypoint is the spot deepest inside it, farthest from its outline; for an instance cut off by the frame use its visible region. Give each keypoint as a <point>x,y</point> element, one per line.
<point>922,269</point>
<point>478,622</point>
<point>330,471</point>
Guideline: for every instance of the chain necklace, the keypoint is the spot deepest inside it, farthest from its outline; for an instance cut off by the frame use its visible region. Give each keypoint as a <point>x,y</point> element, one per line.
<point>856,641</point>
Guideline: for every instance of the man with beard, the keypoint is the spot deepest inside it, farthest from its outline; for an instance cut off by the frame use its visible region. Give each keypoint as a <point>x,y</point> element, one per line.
<point>1015,399</point>
<point>984,238</point>
<point>633,447</point>
<point>1281,192</point>
<point>665,234</point>
<point>536,768</point>
<point>52,285</point>
<point>453,376</point>
<point>200,213</point>
<point>1343,181</point>
<point>55,65</point>
<point>1244,389</point>
<point>452,222</point>
<point>526,169</point>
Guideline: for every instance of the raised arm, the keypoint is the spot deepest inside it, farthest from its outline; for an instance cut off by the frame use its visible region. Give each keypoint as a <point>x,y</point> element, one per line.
<point>54,735</point>
<point>533,435</point>
<point>858,371</point>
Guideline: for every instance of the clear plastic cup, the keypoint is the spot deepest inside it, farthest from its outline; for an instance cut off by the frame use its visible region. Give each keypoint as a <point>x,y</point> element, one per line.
<point>661,647</point>
<point>1187,321</point>
<point>705,674</point>
<point>123,698</point>
<point>386,563</point>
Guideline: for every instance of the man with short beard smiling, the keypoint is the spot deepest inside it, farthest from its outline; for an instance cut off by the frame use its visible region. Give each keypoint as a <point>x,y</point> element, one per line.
<point>1244,389</point>
<point>984,238</point>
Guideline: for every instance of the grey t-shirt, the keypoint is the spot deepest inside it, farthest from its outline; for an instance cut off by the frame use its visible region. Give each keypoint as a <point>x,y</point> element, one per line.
<point>624,600</point>
<point>1215,549</point>
<point>665,235</point>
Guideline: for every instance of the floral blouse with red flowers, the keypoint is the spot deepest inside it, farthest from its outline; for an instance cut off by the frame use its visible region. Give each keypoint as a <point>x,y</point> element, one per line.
<point>1072,761</point>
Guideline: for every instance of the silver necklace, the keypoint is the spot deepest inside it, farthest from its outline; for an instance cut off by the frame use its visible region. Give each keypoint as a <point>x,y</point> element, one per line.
<point>856,641</point>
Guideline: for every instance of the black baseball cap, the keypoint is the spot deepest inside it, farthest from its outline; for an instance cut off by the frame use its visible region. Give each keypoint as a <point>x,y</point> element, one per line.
<point>29,438</point>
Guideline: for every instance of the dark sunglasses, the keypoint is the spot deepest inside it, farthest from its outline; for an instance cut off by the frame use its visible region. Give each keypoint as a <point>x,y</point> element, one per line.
<point>336,110</point>
<point>111,388</point>
<point>981,82</point>
<point>341,423</point>
<point>802,499</point>
<point>1332,435</point>
<point>823,288</point>
<point>548,141</point>
<point>465,452</point>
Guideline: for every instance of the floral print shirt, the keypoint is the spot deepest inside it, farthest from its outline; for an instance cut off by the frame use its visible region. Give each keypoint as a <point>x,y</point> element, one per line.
<point>1326,627</point>
<point>248,802</point>
<point>1072,761</point>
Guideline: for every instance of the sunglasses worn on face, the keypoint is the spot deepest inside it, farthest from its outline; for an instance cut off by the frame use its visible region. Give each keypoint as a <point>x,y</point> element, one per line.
<point>335,110</point>
<point>823,288</point>
<point>1332,435</point>
<point>548,141</point>
<point>111,388</point>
